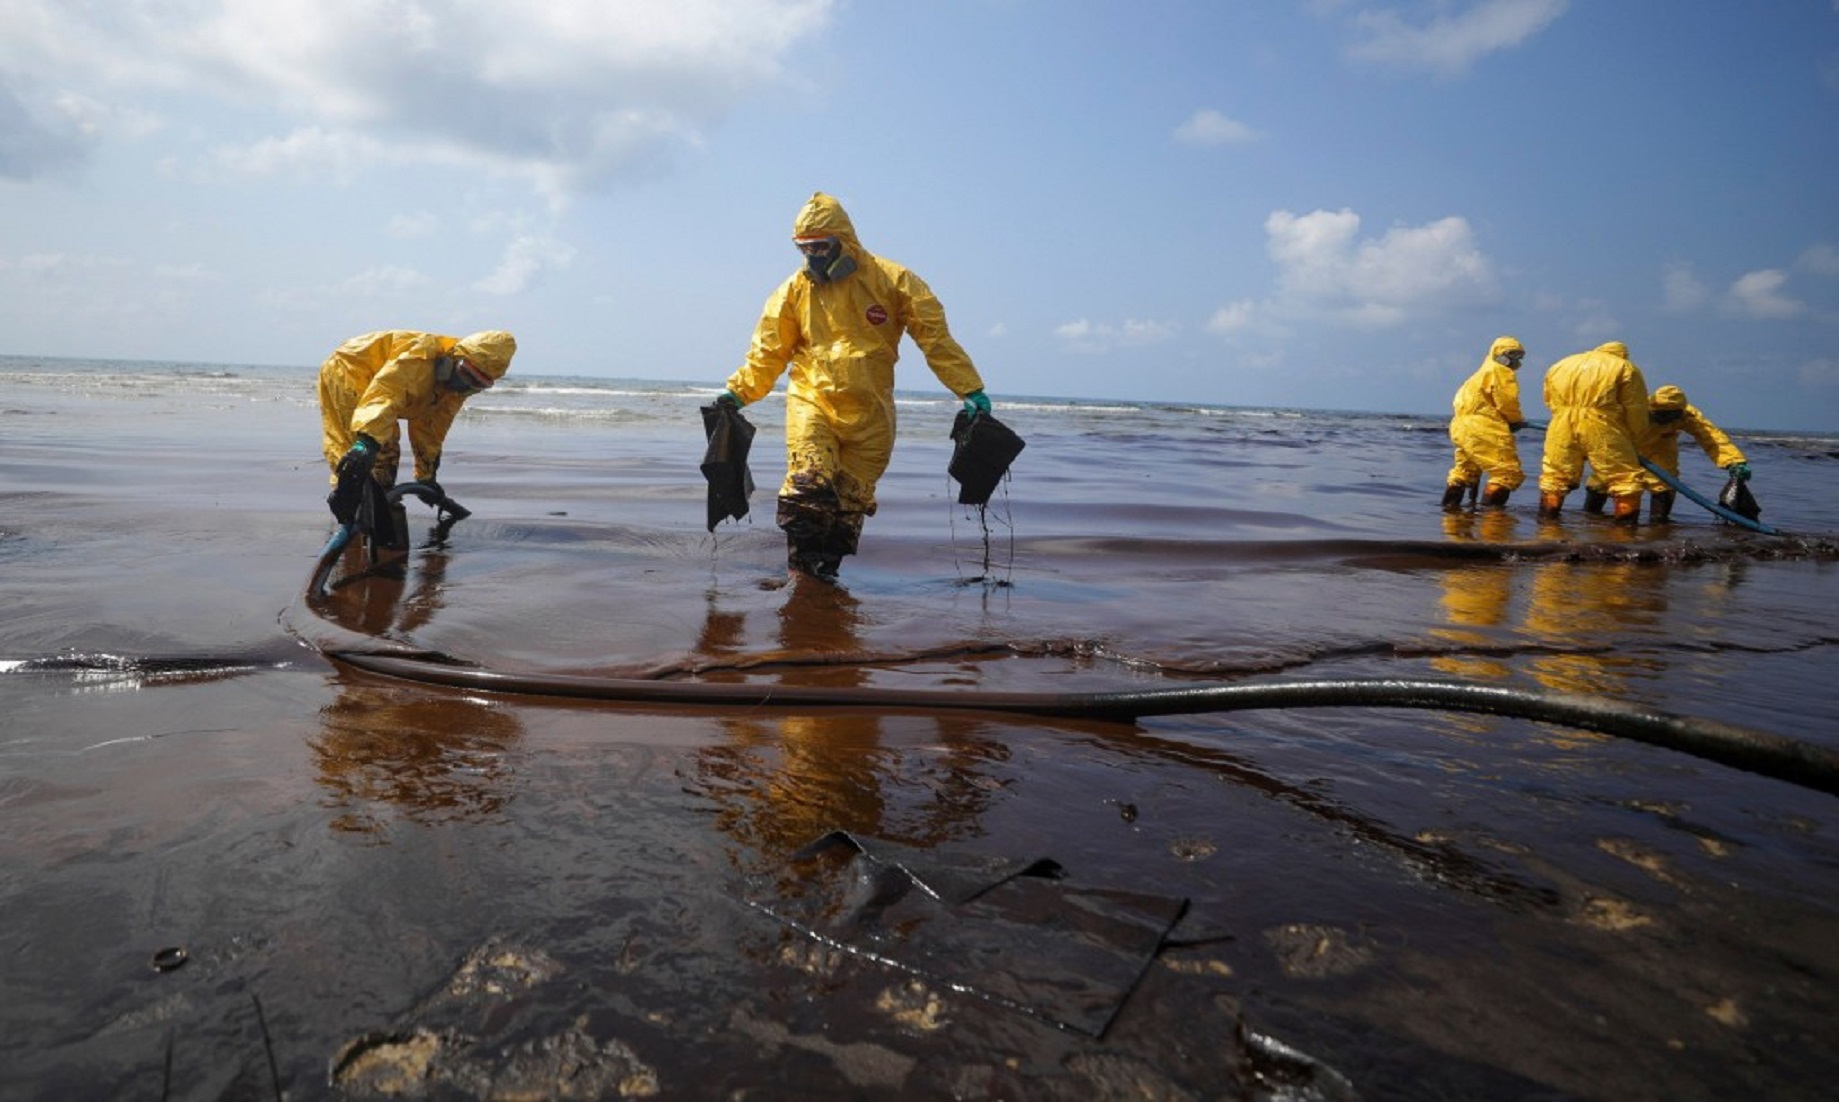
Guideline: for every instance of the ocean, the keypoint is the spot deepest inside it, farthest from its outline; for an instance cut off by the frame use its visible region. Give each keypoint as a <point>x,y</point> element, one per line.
<point>237,865</point>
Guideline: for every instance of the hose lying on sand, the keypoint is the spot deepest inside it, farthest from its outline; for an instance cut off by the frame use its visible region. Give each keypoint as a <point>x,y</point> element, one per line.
<point>1757,752</point>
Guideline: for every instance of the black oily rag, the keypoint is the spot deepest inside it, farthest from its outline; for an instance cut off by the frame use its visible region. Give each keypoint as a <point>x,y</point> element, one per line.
<point>984,448</point>
<point>724,463</point>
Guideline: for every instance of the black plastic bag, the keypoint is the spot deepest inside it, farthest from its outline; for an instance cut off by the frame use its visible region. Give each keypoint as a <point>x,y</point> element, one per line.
<point>385,523</point>
<point>1737,498</point>
<point>724,464</point>
<point>985,448</point>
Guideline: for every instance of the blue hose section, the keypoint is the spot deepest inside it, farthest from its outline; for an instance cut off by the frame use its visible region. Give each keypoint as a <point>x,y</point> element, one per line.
<point>1716,509</point>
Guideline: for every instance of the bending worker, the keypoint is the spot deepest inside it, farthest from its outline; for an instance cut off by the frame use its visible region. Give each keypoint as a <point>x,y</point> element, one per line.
<point>1598,401</point>
<point>1487,414</point>
<point>371,382</point>
<point>837,323</point>
<point>1669,414</point>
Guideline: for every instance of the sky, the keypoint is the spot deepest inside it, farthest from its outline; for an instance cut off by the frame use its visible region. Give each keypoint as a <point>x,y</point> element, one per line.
<point>1325,204</point>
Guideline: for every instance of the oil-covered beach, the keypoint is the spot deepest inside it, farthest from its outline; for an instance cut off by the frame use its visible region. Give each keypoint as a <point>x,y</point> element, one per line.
<point>236,866</point>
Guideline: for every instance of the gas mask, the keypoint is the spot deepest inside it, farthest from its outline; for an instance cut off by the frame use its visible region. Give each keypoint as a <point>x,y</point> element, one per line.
<point>825,259</point>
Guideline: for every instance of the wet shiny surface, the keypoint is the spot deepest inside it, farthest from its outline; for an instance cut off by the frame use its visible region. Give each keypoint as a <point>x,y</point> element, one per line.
<point>379,883</point>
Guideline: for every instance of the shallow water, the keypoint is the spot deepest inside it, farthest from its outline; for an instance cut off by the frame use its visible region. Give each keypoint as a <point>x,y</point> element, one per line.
<point>1429,903</point>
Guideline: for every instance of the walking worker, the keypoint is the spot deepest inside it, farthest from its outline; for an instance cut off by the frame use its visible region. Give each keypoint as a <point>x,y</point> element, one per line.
<point>1487,414</point>
<point>837,323</point>
<point>371,382</point>
<point>1598,401</point>
<point>1669,415</point>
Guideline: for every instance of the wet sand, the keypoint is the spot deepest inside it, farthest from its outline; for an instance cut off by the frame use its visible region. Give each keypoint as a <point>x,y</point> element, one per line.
<point>385,889</point>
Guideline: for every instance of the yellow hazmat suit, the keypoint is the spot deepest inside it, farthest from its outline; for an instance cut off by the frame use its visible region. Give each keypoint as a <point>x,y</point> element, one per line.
<point>1486,406</point>
<point>1659,443</point>
<point>372,381</point>
<point>1598,401</point>
<point>840,338</point>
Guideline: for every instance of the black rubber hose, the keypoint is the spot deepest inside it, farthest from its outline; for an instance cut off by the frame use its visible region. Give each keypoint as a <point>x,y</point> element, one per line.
<point>1757,752</point>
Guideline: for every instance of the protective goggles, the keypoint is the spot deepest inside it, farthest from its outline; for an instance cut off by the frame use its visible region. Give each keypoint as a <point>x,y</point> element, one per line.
<point>815,246</point>
<point>458,374</point>
<point>1665,416</point>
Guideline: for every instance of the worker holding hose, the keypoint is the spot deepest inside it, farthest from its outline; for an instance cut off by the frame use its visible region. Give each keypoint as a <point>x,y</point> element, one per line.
<point>1486,414</point>
<point>373,381</point>
<point>1669,415</point>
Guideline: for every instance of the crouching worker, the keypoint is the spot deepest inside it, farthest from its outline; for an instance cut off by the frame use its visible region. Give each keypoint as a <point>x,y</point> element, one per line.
<point>1487,414</point>
<point>1669,415</point>
<point>371,382</point>
<point>837,324</point>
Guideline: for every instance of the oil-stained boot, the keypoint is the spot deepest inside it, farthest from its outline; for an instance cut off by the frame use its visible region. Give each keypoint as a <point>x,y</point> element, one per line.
<point>1550,503</point>
<point>1594,500</point>
<point>1495,496</point>
<point>1660,507</point>
<point>1453,495</point>
<point>1628,509</point>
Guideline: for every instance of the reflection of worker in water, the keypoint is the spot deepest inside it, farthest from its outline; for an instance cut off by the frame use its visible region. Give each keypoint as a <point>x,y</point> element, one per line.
<point>837,323</point>
<point>1598,401</point>
<point>371,382</point>
<point>431,758</point>
<point>1486,415</point>
<point>1669,415</point>
<point>784,779</point>
<point>1476,598</point>
<point>1582,610</point>
<point>381,602</point>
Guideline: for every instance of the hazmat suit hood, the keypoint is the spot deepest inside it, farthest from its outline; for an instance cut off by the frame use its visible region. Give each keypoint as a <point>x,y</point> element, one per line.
<point>1614,348</point>
<point>490,351</point>
<point>1668,397</point>
<point>1504,345</point>
<point>823,216</point>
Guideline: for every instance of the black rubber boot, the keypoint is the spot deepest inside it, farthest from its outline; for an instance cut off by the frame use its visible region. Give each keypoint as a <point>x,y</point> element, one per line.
<point>1660,507</point>
<point>1494,497</point>
<point>1453,495</point>
<point>1594,500</point>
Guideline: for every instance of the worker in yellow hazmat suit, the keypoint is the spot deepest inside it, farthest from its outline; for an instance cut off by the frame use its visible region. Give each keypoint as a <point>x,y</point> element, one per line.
<point>372,381</point>
<point>837,324</point>
<point>1669,415</point>
<point>1598,401</point>
<point>1487,414</point>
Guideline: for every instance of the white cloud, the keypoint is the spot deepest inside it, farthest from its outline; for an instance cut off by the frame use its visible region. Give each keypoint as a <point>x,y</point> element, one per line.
<point>1683,290</point>
<point>1325,268</point>
<point>1759,295</point>
<point>1820,258</point>
<point>1596,323</point>
<point>566,93</point>
<point>524,260</point>
<point>389,279</point>
<point>1448,45</point>
<point>415,224</point>
<point>1234,317</point>
<point>1086,336</point>
<point>1209,127</point>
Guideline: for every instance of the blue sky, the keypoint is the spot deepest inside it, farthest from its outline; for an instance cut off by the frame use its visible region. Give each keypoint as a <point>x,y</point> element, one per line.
<point>1319,203</point>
